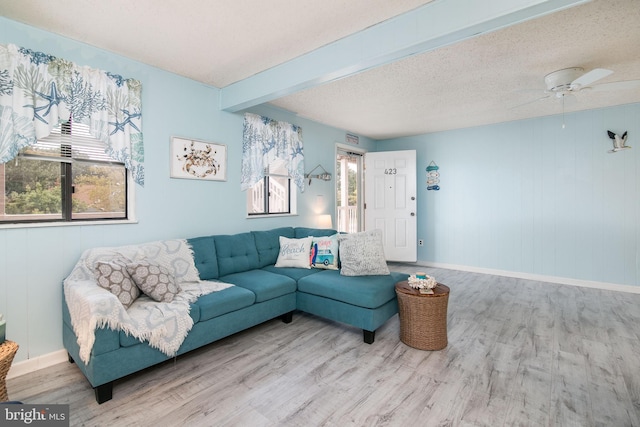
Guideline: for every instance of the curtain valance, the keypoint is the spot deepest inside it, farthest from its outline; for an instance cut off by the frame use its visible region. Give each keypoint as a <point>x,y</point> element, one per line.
<point>266,140</point>
<point>39,91</point>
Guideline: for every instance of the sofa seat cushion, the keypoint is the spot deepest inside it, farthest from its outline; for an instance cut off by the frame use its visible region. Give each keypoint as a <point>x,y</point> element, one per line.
<point>128,340</point>
<point>207,307</point>
<point>225,301</point>
<point>361,291</point>
<point>295,273</point>
<point>264,284</point>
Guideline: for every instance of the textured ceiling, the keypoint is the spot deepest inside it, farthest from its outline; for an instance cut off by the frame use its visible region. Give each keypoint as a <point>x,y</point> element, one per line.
<point>217,42</point>
<point>472,82</point>
<point>480,80</point>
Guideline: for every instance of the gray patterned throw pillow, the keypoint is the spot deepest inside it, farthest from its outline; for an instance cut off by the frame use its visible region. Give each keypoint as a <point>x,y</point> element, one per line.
<point>114,277</point>
<point>154,280</point>
<point>362,254</point>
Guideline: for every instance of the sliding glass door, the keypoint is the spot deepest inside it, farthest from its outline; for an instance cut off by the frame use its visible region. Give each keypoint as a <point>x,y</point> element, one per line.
<point>349,191</point>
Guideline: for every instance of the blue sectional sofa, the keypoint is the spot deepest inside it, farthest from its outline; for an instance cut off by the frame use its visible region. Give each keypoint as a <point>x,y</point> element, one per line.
<point>261,292</point>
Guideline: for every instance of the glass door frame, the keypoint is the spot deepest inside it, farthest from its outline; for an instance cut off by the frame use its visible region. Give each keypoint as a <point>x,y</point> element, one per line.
<point>342,149</point>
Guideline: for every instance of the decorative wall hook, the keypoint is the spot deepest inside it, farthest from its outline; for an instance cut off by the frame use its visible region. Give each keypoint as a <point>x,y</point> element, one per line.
<point>619,143</point>
<point>325,176</point>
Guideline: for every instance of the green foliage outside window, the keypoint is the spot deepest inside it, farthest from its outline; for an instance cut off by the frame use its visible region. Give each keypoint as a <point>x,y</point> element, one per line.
<point>352,184</point>
<point>34,201</point>
<point>34,187</point>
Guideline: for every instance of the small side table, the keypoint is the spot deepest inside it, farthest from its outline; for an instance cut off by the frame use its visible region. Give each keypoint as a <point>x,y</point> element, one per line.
<point>8,350</point>
<point>423,317</point>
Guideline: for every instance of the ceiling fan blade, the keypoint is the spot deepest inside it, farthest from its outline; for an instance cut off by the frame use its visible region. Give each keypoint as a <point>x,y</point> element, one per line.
<point>624,85</point>
<point>590,77</point>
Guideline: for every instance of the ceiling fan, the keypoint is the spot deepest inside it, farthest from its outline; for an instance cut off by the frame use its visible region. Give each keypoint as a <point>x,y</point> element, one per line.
<point>569,81</point>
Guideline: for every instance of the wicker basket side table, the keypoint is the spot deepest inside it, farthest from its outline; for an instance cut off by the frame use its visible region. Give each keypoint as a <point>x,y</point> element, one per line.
<point>423,317</point>
<point>8,350</point>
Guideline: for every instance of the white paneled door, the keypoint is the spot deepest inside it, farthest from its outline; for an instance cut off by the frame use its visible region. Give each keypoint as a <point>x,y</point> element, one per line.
<point>390,201</point>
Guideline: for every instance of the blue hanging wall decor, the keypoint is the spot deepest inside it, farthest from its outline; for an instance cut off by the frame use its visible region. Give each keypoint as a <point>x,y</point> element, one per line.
<point>433,176</point>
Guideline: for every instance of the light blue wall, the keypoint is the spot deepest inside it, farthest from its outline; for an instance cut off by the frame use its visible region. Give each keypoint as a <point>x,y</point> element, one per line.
<point>531,197</point>
<point>34,261</point>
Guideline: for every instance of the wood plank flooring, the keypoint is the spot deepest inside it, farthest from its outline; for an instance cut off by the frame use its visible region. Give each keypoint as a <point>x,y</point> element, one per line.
<point>520,353</point>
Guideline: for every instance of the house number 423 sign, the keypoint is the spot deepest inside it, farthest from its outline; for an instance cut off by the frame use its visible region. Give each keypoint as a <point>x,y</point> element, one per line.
<point>391,171</point>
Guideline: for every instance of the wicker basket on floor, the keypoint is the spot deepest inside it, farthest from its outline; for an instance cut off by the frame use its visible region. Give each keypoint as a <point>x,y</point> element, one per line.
<point>423,318</point>
<point>8,350</point>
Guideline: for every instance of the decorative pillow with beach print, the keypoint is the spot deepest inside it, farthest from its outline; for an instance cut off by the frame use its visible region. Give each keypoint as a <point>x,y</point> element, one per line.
<point>294,252</point>
<point>324,252</point>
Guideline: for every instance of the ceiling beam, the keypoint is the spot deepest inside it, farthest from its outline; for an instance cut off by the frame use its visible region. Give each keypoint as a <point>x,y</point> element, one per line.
<point>429,27</point>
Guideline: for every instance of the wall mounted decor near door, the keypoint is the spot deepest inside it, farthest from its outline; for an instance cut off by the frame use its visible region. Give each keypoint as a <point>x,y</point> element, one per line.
<point>433,176</point>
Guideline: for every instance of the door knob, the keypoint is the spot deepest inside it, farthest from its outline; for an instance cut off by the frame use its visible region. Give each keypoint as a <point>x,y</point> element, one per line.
<point>413,214</point>
<point>413,198</point>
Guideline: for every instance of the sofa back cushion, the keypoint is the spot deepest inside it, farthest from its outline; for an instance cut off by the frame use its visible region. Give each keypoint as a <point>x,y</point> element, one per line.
<point>316,232</point>
<point>268,245</point>
<point>236,253</point>
<point>204,255</point>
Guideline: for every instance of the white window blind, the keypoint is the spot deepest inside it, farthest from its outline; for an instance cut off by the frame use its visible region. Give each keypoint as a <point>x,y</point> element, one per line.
<point>69,141</point>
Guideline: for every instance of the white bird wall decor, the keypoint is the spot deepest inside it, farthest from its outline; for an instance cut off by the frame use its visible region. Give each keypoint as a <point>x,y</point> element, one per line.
<point>619,142</point>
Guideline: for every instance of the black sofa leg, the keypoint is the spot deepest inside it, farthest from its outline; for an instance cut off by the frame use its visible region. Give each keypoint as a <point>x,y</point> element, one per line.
<point>70,358</point>
<point>104,392</point>
<point>369,336</point>
<point>287,317</point>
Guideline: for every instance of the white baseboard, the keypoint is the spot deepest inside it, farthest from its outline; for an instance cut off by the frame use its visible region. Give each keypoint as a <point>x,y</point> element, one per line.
<point>37,363</point>
<point>537,277</point>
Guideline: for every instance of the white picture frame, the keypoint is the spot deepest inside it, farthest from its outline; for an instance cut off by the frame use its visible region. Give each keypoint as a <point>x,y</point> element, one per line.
<point>196,159</point>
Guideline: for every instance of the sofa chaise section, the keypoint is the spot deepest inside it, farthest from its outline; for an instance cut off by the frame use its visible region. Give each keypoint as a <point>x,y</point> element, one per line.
<point>365,302</point>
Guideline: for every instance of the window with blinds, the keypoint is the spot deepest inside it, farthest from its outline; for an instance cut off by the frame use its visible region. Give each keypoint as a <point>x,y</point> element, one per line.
<point>64,177</point>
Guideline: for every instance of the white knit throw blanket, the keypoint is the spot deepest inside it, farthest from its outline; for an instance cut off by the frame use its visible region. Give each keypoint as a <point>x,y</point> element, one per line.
<point>163,325</point>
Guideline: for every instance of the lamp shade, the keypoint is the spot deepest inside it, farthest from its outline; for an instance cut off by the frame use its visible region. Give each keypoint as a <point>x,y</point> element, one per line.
<point>324,221</point>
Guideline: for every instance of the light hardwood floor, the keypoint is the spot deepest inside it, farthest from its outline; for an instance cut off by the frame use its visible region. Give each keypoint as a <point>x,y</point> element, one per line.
<point>520,353</point>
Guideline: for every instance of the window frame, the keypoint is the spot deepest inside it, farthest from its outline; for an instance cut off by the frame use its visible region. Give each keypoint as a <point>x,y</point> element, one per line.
<point>292,199</point>
<point>66,217</point>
